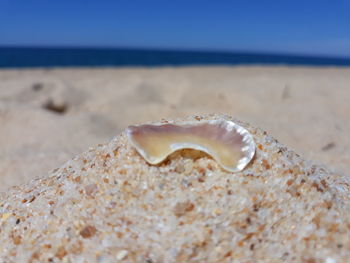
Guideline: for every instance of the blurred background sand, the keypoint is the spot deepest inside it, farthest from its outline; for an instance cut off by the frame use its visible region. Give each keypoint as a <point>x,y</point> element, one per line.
<point>49,115</point>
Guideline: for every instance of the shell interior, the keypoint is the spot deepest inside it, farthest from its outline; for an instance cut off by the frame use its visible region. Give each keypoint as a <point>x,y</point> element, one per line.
<point>229,144</point>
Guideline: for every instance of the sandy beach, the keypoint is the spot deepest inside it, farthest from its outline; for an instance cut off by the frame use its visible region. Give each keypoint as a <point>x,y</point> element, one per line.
<point>109,205</point>
<point>47,116</point>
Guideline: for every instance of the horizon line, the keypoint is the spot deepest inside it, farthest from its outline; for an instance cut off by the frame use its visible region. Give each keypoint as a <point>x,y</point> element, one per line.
<point>179,49</point>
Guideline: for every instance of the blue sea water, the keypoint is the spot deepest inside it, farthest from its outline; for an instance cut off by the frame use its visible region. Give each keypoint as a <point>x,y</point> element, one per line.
<point>20,57</point>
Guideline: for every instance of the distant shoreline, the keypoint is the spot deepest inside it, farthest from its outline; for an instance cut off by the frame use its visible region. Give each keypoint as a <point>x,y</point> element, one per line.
<point>52,57</point>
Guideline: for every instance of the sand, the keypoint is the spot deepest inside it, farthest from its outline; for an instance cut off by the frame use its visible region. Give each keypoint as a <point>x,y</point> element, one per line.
<point>109,205</point>
<point>49,116</point>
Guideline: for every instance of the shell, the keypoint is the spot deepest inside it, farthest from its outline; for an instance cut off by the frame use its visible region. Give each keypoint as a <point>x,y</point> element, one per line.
<point>229,144</point>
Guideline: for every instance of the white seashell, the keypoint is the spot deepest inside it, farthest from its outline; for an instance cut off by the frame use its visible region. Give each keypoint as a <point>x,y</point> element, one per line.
<point>231,145</point>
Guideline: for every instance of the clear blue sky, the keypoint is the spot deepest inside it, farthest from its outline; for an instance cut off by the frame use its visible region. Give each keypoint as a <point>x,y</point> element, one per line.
<point>319,27</point>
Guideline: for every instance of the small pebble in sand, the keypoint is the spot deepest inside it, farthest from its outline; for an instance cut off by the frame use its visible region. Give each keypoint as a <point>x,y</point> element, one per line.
<point>122,254</point>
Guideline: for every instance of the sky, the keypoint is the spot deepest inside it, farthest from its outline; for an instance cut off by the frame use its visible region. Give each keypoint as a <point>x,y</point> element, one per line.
<point>307,27</point>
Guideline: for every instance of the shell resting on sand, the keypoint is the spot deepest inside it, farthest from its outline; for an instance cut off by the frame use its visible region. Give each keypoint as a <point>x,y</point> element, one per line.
<point>229,144</point>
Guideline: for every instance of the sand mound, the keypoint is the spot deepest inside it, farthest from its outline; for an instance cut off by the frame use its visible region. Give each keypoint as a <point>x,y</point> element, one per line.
<point>109,205</point>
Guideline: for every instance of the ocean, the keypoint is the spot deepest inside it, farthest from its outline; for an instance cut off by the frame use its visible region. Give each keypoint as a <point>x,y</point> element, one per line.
<point>20,57</point>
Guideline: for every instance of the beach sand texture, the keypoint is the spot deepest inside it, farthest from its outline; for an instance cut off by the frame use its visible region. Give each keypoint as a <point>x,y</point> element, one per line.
<point>49,115</point>
<point>109,205</point>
